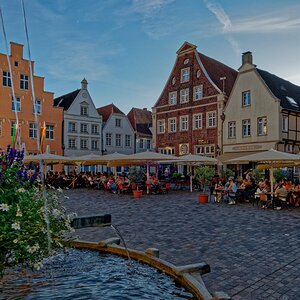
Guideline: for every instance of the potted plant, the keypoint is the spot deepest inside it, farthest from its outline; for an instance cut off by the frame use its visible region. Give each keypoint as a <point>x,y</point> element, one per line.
<point>136,175</point>
<point>204,174</point>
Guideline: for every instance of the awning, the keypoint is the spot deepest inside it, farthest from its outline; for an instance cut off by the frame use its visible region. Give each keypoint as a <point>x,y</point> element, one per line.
<point>223,158</point>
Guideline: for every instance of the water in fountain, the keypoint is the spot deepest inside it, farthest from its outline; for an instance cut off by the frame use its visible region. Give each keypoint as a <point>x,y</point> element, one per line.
<point>84,274</point>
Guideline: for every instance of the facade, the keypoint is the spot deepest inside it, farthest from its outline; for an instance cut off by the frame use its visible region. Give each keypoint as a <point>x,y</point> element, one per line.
<point>118,134</point>
<point>49,116</point>
<point>82,123</point>
<point>141,122</point>
<point>187,115</point>
<point>263,112</point>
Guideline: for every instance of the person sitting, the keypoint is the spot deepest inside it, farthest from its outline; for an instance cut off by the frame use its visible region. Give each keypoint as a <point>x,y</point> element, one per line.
<point>219,191</point>
<point>295,196</point>
<point>281,195</point>
<point>232,190</point>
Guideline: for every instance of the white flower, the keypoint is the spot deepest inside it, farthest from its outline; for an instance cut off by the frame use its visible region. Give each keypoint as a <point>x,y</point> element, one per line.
<point>38,265</point>
<point>60,190</point>
<point>67,197</point>
<point>16,226</point>
<point>32,249</point>
<point>15,241</point>
<point>21,190</point>
<point>4,207</point>
<point>19,214</point>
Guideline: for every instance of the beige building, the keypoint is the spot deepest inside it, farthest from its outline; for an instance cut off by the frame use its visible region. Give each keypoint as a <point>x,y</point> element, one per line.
<point>263,112</point>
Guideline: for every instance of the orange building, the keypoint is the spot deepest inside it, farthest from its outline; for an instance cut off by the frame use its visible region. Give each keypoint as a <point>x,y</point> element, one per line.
<point>48,115</point>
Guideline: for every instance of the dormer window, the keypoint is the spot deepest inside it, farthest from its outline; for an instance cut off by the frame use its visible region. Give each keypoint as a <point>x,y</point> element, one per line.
<point>185,74</point>
<point>83,110</point>
<point>246,98</point>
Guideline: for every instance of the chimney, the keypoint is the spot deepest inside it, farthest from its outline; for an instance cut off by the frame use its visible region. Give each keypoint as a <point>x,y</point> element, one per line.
<point>247,58</point>
<point>84,84</point>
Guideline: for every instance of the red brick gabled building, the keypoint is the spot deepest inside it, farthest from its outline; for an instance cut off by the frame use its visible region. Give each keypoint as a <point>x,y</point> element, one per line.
<point>187,117</point>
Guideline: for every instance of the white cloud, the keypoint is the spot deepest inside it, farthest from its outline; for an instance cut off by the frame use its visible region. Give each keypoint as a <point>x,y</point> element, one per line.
<point>149,8</point>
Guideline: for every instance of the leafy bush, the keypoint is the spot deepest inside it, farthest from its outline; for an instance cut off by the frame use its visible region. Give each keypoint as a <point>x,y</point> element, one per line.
<point>28,227</point>
<point>225,174</point>
<point>278,174</point>
<point>205,174</point>
<point>136,175</point>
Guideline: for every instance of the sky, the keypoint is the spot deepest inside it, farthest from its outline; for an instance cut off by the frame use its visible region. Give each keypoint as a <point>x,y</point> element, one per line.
<point>126,49</point>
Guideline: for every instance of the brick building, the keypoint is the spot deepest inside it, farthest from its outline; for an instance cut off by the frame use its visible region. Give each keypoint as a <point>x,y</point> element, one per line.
<point>48,115</point>
<point>187,117</point>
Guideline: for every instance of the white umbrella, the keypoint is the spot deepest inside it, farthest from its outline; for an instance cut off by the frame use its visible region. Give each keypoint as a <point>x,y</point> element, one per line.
<point>47,158</point>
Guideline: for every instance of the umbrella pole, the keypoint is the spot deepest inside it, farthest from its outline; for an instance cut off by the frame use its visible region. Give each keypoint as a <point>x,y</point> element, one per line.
<point>272,183</point>
<point>191,179</point>
<point>148,181</point>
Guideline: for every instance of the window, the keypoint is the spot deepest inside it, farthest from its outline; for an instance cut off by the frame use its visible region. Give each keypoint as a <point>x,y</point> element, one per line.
<point>172,125</point>
<point>246,98</point>
<point>49,132</point>
<point>37,107</point>
<point>24,82</point>
<point>211,119</point>
<point>231,130</point>
<point>167,150</point>
<point>184,123</point>
<point>289,148</point>
<point>197,121</point>
<point>72,143</point>
<point>246,128</point>
<point>108,139</point>
<point>148,144</point>
<point>262,126</point>
<point>72,127</point>
<point>198,92</point>
<point>118,140</point>
<point>95,145</point>
<point>127,140</point>
<point>207,150</point>
<point>95,129</point>
<point>83,144</point>
<point>172,98</point>
<point>84,128</point>
<point>83,110</point>
<point>118,122</point>
<point>184,96</point>
<point>160,126</point>
<point>185,74</point>
<point>16,105</point>
<point>32,130</point>
<point>16,63</point>
<point>6,79</point>
<point>141,144</point>
<point>285,123</point>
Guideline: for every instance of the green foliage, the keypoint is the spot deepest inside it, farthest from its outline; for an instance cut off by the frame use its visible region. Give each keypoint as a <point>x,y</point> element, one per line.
<point>176,175</point>
<point>205,174</point>
<point>225,174</point>
<point>24,238</point>
<point>136,174</point>
<point>278,174</point>
<point>257,174</point>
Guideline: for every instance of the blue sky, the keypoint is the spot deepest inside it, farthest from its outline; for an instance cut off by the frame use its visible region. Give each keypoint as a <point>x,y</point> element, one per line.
<point>126,48</point>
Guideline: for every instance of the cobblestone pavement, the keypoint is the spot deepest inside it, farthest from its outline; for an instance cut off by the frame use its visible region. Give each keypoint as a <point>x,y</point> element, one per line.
<point>253,253</point>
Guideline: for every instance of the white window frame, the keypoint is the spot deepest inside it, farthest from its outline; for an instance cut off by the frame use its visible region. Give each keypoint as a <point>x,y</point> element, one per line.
<point>72,143</point>
<point>127,140</point>
<point>6,79</point>
<point>172,125</point>
<point>95,128</point>
<point>94,144</point>
<point>211,119</point>
<point>84,128</point>
<point>285,123</point>
<point>49,132</point>
<point>148,144</point>
<point>207,150</point>
<point>198,92</point>
<point>118,122</point>
<point>232,129</point>
<point>184,123</point>
<point>161,124</point>
<point>108,139</point>
<point>173,98</point>
<point>118,140</point>
<point>197,121</point>
<point>24,82</point>
<point>84,110</point>
<point>37,107</point>
<point>84,144</point>
<point>184,95</point>
<point>246,128</point>
<point>246,98</point>
<point>141,143</point>
<point>33,130</point>
<point>72,127</point>
<point>262,126</point>
<point>185,75</point>
<point>18,102</point>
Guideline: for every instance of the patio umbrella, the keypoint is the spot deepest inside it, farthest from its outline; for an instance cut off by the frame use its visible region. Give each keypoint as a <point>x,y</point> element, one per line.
<point>47,158</point>
<point>88,159</point>
<point>271,158</point>
<point>142,158</point>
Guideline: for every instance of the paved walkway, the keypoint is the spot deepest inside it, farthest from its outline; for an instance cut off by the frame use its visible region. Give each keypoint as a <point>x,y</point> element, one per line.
<point>253,253</point>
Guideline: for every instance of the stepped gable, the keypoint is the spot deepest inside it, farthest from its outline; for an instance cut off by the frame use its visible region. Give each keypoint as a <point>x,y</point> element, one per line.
<point>66,100</point>
<point>106,111</point>
<point>216,70</point>
<point>287,92</point>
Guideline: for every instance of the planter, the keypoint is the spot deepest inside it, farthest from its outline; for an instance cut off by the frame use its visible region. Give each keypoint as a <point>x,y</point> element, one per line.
<point>203,198</point>
<point>137,194</point>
